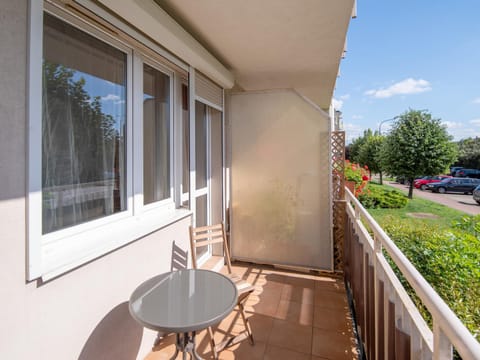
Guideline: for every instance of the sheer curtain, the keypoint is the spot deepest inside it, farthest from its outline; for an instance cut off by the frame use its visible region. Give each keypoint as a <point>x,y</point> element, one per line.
<point>83,126</point>
<point>156,135</point>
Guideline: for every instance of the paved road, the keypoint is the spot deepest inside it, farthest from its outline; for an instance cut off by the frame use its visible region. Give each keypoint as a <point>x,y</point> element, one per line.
<point>460,202</point>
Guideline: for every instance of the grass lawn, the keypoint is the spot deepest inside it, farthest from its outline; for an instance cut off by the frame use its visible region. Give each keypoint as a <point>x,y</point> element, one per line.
<point>443,216</point>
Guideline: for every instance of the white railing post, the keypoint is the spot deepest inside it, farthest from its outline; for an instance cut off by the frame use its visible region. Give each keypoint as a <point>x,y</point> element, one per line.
<point>377,243</point>
<point>442,347</point>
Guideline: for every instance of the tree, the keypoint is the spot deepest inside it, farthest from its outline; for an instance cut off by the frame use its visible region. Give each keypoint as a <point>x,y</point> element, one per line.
<point>469,153</point>
<point>370,154</point>
<point>356,145</point>
<point>417,145</point>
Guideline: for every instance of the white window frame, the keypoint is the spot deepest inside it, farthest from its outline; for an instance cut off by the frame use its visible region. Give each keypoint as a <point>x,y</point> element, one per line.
<point>167,204</point>
<point>55,253</point>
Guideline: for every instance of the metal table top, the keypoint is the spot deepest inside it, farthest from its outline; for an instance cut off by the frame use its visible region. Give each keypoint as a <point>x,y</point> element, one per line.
<point>183,301</point>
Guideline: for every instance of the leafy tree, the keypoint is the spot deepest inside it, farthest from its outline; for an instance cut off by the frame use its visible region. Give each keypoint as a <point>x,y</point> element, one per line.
<point>417,145</point>
<point>469,153</point>
<point>356,145</point>
<point>370,154</point>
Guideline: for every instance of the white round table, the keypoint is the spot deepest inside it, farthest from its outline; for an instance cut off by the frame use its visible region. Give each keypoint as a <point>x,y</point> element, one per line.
<point>183,302</point>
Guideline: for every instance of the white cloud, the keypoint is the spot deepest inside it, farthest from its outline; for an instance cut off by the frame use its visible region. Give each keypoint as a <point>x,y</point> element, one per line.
<point>357,117</point>
<point>463,133</point>
<point>476,101</point>
<point>475,122</point>
<point>345,97</point>
<point>452,124</point>
<point>111,97</point>
<point>337,104</point>
<point>404,87</point>
<point>352,131</point>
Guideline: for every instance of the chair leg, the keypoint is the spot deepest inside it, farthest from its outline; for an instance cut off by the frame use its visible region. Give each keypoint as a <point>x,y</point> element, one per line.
<point>247,323</point>
<point>212,343</point>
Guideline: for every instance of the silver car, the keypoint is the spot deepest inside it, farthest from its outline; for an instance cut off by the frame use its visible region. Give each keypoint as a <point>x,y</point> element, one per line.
<point>476,194</point>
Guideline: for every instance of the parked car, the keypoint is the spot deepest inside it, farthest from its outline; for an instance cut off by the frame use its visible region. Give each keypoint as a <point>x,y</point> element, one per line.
<point>454,169</point>
<point>422,183</point>
<point>468,173</point>
<point>476,194</point>
<point>454,184</point>
<point>404,181</point>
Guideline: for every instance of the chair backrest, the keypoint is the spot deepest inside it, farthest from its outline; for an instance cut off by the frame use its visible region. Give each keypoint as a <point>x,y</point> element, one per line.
<point>179,258</point>
<point>206,235</point>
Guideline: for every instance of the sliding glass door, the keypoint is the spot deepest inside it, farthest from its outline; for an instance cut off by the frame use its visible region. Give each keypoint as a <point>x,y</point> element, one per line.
<point>208,194</point>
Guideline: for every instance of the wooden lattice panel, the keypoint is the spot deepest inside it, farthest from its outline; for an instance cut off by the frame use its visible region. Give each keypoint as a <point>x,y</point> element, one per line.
<point>338,188</point>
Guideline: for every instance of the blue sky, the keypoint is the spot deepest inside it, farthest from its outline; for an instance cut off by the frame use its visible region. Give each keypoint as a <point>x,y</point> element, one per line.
<point>422,54</point>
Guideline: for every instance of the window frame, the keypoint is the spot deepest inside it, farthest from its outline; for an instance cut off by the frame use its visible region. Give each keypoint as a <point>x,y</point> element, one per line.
<point>169,203</point>
<point>52,254</point>
<point>128,212</point>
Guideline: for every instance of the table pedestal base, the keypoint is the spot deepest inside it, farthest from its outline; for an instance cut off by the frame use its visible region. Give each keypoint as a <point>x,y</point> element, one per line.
<point>186,344</point>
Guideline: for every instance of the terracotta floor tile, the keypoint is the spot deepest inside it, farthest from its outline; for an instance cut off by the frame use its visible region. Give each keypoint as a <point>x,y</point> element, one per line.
<point>333,345</point>
<point>295,312</point>
<point>329,319</point>
<point>262,277</point>
<point>261,327</point>
<point>300,281</point>
<point>291,336</point>
<point>245,351</point>
<point>331,299</point>
<point>277,353</point>
<point>293,316</point>
<point>298,294</point>
<point>265,300</point>
<point>330,284</point>
<point>230,326</point>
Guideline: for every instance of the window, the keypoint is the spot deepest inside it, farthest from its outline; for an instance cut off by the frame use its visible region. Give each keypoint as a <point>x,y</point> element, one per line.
<point>105,143</point>
<point>83,127</point>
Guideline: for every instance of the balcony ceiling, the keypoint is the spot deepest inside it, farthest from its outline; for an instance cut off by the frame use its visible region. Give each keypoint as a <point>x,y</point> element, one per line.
<point>271,44</point>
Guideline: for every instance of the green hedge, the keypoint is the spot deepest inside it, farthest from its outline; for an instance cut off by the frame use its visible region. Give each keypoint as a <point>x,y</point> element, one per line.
<point>375,196</point>
<point>448,260</point>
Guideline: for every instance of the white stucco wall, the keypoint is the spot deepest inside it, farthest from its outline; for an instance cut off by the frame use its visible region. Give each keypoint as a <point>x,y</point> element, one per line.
<point>82,314</point>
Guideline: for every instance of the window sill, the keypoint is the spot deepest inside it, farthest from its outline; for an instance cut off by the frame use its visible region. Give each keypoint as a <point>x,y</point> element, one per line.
<point>68,253</point>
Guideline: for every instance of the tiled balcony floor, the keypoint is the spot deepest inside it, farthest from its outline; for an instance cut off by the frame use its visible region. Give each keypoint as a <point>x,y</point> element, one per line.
<point>294,316</point>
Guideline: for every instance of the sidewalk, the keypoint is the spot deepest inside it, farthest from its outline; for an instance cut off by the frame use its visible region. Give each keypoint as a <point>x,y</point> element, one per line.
<point>460,202</point>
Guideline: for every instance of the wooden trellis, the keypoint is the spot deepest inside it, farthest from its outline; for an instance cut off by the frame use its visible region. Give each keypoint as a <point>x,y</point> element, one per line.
<point>338,188</point>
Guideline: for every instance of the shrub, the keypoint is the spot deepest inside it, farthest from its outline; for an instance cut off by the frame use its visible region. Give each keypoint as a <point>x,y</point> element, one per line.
<point>449,260</point>
<point>375,196</point>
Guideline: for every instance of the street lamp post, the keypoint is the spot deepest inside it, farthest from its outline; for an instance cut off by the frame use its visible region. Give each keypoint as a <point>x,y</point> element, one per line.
<point>381,122</point>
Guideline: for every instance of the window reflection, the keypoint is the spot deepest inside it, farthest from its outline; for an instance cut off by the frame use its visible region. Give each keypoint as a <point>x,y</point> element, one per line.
<point>83,127</point>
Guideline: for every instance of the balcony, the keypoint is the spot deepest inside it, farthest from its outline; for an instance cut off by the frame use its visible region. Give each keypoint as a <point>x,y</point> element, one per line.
<point>293,316</point>
<point>307,316</point>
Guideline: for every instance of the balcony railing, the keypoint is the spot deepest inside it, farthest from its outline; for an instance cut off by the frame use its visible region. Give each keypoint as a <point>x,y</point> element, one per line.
<point>389,324</point>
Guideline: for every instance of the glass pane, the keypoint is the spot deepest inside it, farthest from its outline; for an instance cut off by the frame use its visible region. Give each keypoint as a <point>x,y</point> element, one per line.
<point>200,145</point>
<point>186,144</point>
<point>216,168</point>
<point>83,127</point>
<point>201,219</point>
<point>156,135</point>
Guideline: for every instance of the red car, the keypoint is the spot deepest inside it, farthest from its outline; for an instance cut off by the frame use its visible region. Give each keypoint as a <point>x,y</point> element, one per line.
<point>422,183</point>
